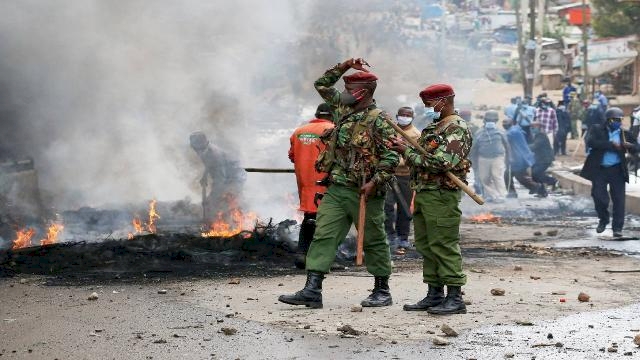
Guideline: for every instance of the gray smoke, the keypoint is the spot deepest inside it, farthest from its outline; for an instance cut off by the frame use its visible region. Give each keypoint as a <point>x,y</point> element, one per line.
<point>104,94</point>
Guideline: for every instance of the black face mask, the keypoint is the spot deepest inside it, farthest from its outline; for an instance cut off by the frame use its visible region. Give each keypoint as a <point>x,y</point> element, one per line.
<point>347,98</point>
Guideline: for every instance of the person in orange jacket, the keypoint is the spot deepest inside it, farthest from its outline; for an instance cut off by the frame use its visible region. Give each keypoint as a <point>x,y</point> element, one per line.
<point>304,150</point>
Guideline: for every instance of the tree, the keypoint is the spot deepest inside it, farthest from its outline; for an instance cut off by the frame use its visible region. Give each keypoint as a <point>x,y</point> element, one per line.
<point>615,18</point>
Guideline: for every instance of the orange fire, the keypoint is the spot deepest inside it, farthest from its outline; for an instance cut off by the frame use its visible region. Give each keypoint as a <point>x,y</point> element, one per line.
<point>138,225</point>
<point>23,238</point>
<point>52,234</point>
<point>485,218</point>
<point>239,222</point>
<point>153,216</point>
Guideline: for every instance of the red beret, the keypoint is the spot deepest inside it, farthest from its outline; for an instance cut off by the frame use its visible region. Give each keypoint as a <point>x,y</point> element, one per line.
<point>436,91</point>
<point>360,77</point>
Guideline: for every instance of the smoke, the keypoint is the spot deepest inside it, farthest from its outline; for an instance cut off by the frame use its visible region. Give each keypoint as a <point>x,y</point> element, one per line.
<point>104,94</point>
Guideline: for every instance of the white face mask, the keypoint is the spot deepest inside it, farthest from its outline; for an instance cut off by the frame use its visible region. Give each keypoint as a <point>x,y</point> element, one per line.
<point>404,120</point>
<point>490,125</point>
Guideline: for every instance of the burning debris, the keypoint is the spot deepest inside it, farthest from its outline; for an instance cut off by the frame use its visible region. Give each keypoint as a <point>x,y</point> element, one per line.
<point>24,236</point>
<point>166,252</point>
<point>485,218</point>
<point>138,225</point>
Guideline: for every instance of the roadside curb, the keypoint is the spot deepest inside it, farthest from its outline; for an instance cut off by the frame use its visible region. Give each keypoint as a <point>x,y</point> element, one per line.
<point>581,186</point>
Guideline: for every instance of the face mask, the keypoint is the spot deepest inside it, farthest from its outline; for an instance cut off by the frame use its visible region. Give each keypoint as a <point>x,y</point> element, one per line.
<point>430,113</point>
<point>615,125</point>
<point>346,98</point>
<point>404,120</point>
<point>490,125</point>
<point>350,98</point>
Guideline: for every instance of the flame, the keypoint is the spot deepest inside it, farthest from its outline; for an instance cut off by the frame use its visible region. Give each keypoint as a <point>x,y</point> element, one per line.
<point>485,218</point>
<point>52,234</point>
<point>153,215</point>
<point>139,226</point>
<point>23,238</point>
<point>239,222</point>
<point>292,202</point>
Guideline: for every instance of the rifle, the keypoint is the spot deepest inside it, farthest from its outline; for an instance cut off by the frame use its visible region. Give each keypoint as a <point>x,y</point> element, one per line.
<point>401,200</point>
<point>452,177</point>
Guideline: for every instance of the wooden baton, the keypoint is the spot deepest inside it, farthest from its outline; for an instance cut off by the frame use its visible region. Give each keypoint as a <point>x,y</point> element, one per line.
<point>453,178</point>
<point>361,221</point>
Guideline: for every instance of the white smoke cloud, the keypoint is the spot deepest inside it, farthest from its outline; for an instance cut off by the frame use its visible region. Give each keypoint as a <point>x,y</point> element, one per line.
<point>107,92</point>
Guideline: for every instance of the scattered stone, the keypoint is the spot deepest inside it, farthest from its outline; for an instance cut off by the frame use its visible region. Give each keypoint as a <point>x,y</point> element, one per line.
<point>563,300</point>
<point>509,355</point>
<point>517,268</point>
<point>628,353</point>
<point>160,341</point>
<point>533,277</point>
<point>591,327</point>
<point>559,344</point>
<point>98,330</point>
<point>394,342</point>
<point>356,308</point>
<point>497,292</point>
<point>306,327</point>
<point>348,330</point>
<point>163,291</point>
<point>467,302</point>
<point>447,330</point>
<point>228,330</point>
<point>182,294</point>
<point>93,296</point>
<point>550,336</point>
<point>537,233</point>
<point>437,340</point>
<point>582,297</point>
<point>636,340</point>
<point>234,281</point>
<point>280,284</point>
<point>524,322</point>
<point>552,232</point>
<point>559,292</point>
<point>23,281</point>
<point>612,349</point>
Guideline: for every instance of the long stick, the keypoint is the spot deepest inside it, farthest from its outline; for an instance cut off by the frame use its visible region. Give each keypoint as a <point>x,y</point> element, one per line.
<point>453,178</point>
<point>361,220</point>
<point>269,170</point>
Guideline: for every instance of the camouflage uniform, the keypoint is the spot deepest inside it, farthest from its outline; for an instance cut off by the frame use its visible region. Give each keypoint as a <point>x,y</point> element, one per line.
<point>359,151</point>
<point>437,214</point>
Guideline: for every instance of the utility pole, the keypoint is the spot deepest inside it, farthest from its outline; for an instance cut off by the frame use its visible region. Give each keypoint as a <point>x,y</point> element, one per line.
<point>517,6</point>
<point>585,51</point>
<point>530,48</point>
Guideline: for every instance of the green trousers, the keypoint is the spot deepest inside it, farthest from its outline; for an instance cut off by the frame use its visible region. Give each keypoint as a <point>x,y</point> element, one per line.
<point>338,210</point>
<point>437,232</point>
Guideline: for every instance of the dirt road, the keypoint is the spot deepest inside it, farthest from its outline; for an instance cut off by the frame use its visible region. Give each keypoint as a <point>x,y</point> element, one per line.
<point>205,318</point>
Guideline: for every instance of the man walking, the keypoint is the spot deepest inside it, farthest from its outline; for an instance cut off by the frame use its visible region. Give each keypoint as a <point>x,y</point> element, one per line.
<point>606,166</point>
<point>488,156</point>
<point>303,153</point>
<point>437,213</point>
<point>397,221</point>
<point>358,163</point>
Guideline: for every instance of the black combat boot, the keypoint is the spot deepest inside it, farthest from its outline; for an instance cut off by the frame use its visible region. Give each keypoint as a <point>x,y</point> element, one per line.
<point>310,296</point>
<point>434,297</point>
<point>380,296</point>
<point>452,304</point>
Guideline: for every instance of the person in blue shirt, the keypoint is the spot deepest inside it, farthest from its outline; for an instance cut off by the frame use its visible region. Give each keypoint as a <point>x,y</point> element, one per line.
<point>568,89</point>
<point>606,167</point>
<point>602,100</point>
<point>521,158</point>
<point>511,109</point>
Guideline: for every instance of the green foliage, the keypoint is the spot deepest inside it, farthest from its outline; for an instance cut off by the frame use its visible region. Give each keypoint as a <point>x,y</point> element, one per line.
<point>613,18</point>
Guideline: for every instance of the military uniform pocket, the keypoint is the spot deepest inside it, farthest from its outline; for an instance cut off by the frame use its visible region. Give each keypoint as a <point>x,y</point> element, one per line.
<point>448,222</point>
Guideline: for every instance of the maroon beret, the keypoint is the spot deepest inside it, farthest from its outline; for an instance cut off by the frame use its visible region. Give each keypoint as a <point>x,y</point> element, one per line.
<point>360,77</point>
<point>436,91</point>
